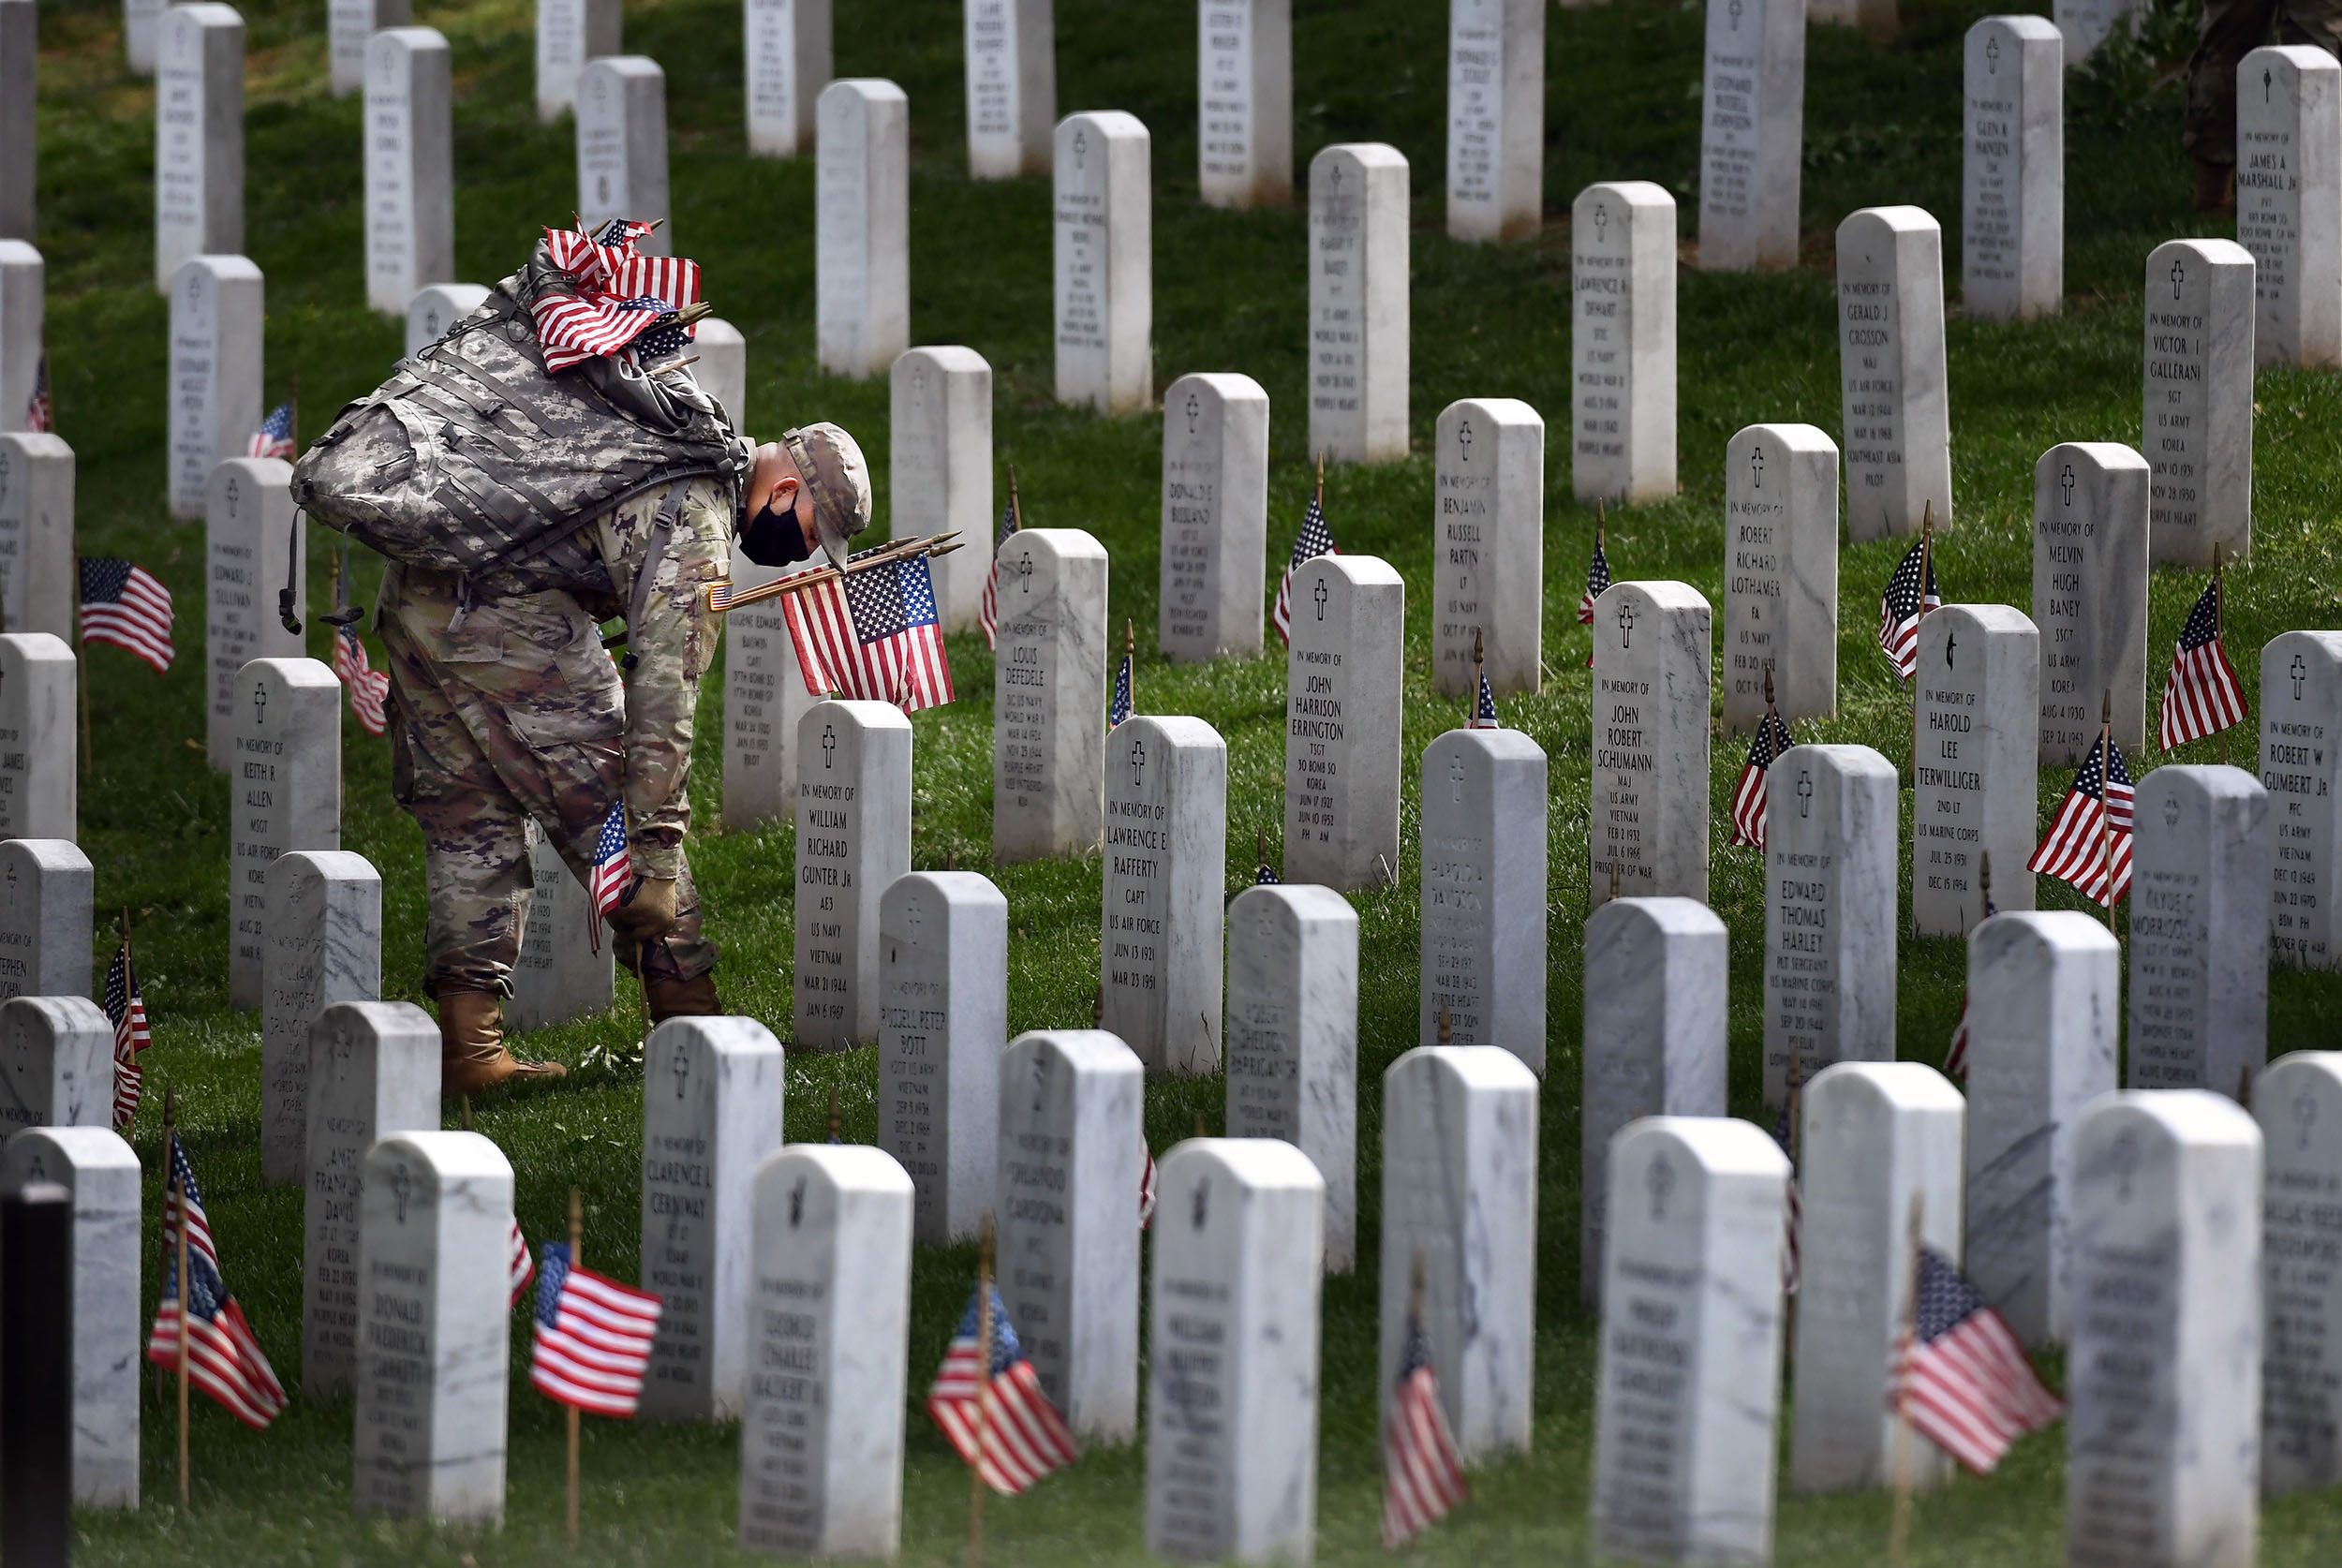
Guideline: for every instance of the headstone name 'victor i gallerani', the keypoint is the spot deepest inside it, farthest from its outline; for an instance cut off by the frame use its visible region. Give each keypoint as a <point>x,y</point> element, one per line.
<point>1343,705</point>
<point>1831,821</point>
<point>1652,645</point>
<point>47,893</point>
<point>1482,966</point>
<point>1233,1377</point>
<point>1048,695</point>
<point>853,839</point>
<point>2301,764</point>
<point>942,1024</point>
<point>1166,866</point>
<point>2198,395</point>
<point>285,781</point>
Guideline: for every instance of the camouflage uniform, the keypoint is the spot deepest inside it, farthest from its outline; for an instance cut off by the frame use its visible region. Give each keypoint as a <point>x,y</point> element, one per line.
<point>518,712</point>
<point>2231,30</point>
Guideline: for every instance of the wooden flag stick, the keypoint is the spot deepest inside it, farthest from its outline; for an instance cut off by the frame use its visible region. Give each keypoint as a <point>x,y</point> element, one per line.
<point>577,1260</point>
<point>722,596</point>
<point>1015,508</point>
<point>178,1218</point>
<point>1471,701</point>
<point>2106,801</point>
<point>984,1391</point>
<point>1906,1461</point>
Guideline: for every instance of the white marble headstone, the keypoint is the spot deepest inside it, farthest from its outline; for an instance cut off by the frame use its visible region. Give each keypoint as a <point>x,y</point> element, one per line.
<point>40,579</point>
<point>23,295</point>
<point>787,52</point>
<point>1752,139</point>
<point>1232,1381</point>
<point>2044,1014</point>
<point>371,1069</point>
<point>48,890</point>
<point>853,839</point>
<point>2298,1103</point>
<point>1215,518</point>
<point>2301,765</point>
<point>1495,118</point>
<point>1049,696</point>
<point>436,1221</point>
<point>1894,395</point>
<point>198,137</point>
<point>722,373</point>
<point>1011,86</point>
<point>410,166</point>
<point>570,33</point>
<point>622,146</point>
<point>567,966</point>
<point>862,227</point>
<point>1359,303</point>
<point>1166,839</point>
<point>940,469</point>
<point>1654,1042</point>
<point>942,1024</point>
<point>2012,210</point>
<point>285,792</point>
<point>1781,574</point>
<point>2288,200</point>
<point>141,21</point>
<point>2199,400</point>
<point>1488,545</point>
<point>1292,1038</point>
<point>322,943</point>
<point>1345,691</point>
<point>1651,660</point>
<point>2090,595</point>
<point>1622,345</point>
<point>712,1099</point>
<point>765,700</point>
<point>1831,819</point>
<point>248,535</point>
<point>438,306</point>
<point>829,1320</point>
<point>214,390</point>
<point>20,51</point>
<point>350,27</point>
<point>1976,695</point>
<point>1105,249</point>
<point>39,752</point>
<point>56,1063</point>
<point>1244,102</point>
<point>1072,1146</point>
<point>2199,948</point>
<point>2087,23</point>
<point>1483,891</point>
<point>102,1174</point>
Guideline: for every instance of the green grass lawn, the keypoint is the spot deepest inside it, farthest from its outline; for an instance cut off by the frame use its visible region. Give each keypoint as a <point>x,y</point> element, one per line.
<point>1622,102</point>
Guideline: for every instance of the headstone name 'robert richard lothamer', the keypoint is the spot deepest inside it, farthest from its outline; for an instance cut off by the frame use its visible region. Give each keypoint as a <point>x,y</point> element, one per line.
<point>1780,574</point>
<point>1894,394</point>
<point>1752,135</point>
<point>1487,560</point>
<point>2288,200</point>
<point>2301,765</point>
<point>1165,871</point>
<point>1105,227</point>
<point>285,785</point>
<point>2197,394</point>
<point>622,146</point>
<point>1483,892</point>
<point>39,757</point>
<point>198,137</point>
<point>409,165</point>
<point>1830,825</point>
<point>1651,658</point>
<point>1978,676</point>
<point>1622,343</point>
<point>862,227</point>
<point>214,390</point>
<point>942,1024</point>
<point>786,52</point>
<point>853,839</point>
<point>2090,595</point>
<point>248,530</point>
<point>322,944</point>
<point>1343,691</point>
<point>1049,696</point>
<point>48,888</point>
<point>2199,947</point>
<point>1215,517</point>
<point>2012,214</point>
<point>1357,337</point>
<point>2298,1102</point>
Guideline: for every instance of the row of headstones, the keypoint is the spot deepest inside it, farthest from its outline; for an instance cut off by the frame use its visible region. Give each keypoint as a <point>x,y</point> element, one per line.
<point>2207,1277</point>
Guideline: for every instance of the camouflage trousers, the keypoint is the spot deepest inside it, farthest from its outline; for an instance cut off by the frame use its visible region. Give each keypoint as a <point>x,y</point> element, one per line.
<point>2231,30</point>
<point>516,713</point>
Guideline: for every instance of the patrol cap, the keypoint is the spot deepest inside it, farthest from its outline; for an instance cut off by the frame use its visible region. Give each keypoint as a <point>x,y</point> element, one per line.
<point>838,480</point>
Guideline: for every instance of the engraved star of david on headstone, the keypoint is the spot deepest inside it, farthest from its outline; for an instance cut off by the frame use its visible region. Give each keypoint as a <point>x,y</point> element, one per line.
<point>2304,1116</point>
<point>796,1203</point>
<point>1199,1204</point>
<point>682,1070</point>
<point>2300,673</point>
<point>400,1185</point>
<point>829,746</point>
<point>1805,794</point>
<point>1138,763</point>
<point>1625,625</point>
<point>1659,1180</point>
<point>2179,275</point>
<point>1318,593</point>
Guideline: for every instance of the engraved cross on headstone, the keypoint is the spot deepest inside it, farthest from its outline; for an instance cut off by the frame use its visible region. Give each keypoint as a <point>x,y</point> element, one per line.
<point>1463,439</point>
<point>1734,10</point>
<point>1991,56</point>
<point>2304,1116</point>
<point>1756,468</point>
<point>2265,78</point>
<point>1194,405</point>
<point>1199,1203</point>
<point>1455,779</point>
<point>682,1070</point>
<point>829,746</point>
<point>796,1203</point>
<point>1081,146</point>
<point>2179,275</point>
<point>1659,1179</point>
<point>1318,593</point>
<point>400,1185</point>
<point>1138,763</point>
<point>2066,483</point>
<point>1601,221</point>
<point>1805,794</point>
<point>259,703</point>
<point>2300,673</point>
<point>232,495</point>
<point>1625,627</point>
<point>2125,1155</point>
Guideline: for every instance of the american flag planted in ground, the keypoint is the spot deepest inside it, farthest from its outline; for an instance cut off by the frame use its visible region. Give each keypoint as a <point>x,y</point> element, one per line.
<point>519,1267</point>
<point>1023,1438</point>
<point>1748,795</point>
<point>875,635</point>
<point>1315,540</point>
<point>619,295</point>
<point>1956,1060</point>
<point>1597,581</point>
<point>124,607</point>
<point>2077,849</point>
<point>224,1360</point>
<point>1793,1213</point>
<point>2203,696</point>
<point>274,439</point>
<point>367,685</point>
<point>989,608</point>
<point>1124,702</point>
<point>1902,605</point>
<point>1422,1476</point>
<point>591,1339</point>
<point>1484,708</point>
<point>1961,1379</point>
<point>38,415</point>
<point>128,1009</point>
<point>611,862</point>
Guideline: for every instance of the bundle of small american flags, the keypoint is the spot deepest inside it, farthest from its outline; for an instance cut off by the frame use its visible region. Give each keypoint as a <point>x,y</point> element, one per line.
<point>2203,696</point>
<point>274,439</point>
<point>126,1008</point>
<point>989,608</point>
<point>1749,795</point>
<point>2091,836</point>
<point>1315,540</point>
<point>1422,1476</point>
<point>368,686</point>
<point>125,607</point>
<point>224,1360</point>
<point>620,297</point>
<point>1002,1423</point>
<point>592,1338</point>
<point>874,633</point>
<point>1910,595</point>
<point>1961,1378</point>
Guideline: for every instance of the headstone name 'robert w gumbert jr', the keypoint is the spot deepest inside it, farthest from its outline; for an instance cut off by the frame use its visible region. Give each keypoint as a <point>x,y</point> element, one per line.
<point>1483,892</point>
<point>1688,1384</point>
<point>1104,262</point>
<point>48,888</point>
<point>2288,200</point>
<point>2301,765</point>
<point>1978,677</point>
<point>2012,210</point>
<point>1622,343</point>
<point>786,52</point>
<point>248,532</point>
<point>215,391</point>
<point>1752,135</point>
<point>942,1024</point>
<point>712,1094</point>
<point>409,164</point>
<point>1049,696</point>
<point>1487,560</point>
<point>862,228</point>
<point>829,1320</point>
<point>1215,517</point>
<point>56,1064</point>
<point>571,32</point>
<point>1012,87</point>
<point>2090,549</point>
<point>1831,823</point>
<point>1651,658</point>
<point>940,467</point>
<point>1495,118</point>
<point>323,945</point>
<point>2197,397</point>
<point>2199,947</point>
<point>622,146</point>
<point>2298,1102</point>
<point>1894,395</point>
<point>1233,1377</point>
<point>1343,696</point>
<point>853,839</point>
<point>198,137</point>
<point>284,783</point>
<point>39,756</point>
<point>1357,261</point>
<point>1244,102</point>
<point>1780,574</point>
<point>2163,1386</point>
<point>1165,871</point>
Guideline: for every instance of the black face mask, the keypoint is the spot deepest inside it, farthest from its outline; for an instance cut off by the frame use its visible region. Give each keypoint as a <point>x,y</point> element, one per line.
<point>773,539</point>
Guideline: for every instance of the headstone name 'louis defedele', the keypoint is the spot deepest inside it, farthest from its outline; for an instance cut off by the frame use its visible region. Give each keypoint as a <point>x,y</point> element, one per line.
<point>1483,892</point>
<point>853,839</point>
<point>1344,705</point>
<point>1049,741</point>
<point>322,944</point>
<point>1215,517</point>
<point>942,1024</point>
<point>1166,815</point>
<point>1359,303</point>
<point>1781,574</point>
<point>1488,561</point>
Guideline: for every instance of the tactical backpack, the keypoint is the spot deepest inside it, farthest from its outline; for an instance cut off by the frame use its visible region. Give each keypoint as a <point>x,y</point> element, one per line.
<point>472,456</point>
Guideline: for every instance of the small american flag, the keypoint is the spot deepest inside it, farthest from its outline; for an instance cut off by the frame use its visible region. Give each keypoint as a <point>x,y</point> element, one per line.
<point>2203,696</point>
<point>519,1267</point>
<point>1597,581</point>
<point>128,1009</point>
<point>1002,1425</point>
<point>1748,795</point>
<point>1124,703</point>
<point>274,439</point>
<point>367,685</point>
<point>1267,875</point>
<point>124,607</point>
<point>592,1337</point>
<point>1961,1379</point>
<point>1902,605</point>
<point>619,295</point>
<point>1315,540</point>
<point>1484,710</point>
<point>1793,1212</point>
<point>988,611</point>
<point>1956,1060</point>
<point>611,864</point>
<point>38,415</point>
<point>1422,1476</point>
<point>224,1360</point>
<point>876,635</point>
<point>1146,1185</point>
<point>2076,849</point>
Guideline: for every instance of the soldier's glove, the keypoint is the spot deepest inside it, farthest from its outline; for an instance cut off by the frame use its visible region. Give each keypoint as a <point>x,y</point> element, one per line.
<point>646,913</point>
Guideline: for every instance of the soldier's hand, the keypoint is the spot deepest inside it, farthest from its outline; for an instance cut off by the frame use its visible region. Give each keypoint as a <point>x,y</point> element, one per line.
<point>646,913</point>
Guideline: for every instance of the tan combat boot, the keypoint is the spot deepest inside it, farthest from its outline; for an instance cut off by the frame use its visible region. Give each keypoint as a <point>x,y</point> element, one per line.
<point>472,1058</point>
<point>694,998</point>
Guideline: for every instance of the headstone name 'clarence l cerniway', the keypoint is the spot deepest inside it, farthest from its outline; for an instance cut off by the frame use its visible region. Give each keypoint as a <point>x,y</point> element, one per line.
<point>2090,595</point>
<point>1751,135</point>
<point>2301,765</point>
<point>1049,743</point>
<point>285,786</point>
<point>2199,946</point>
<point>1895,394</point>
<point>2288,200</point>
<point>1012,87</point>
<point>39,756</point>
<point>1495,118</point>
<point>1343,694</point>
<point>942,1024</point>
<point>1357,339</point>
<point>2298,1102</point>
<point>1622,344</point>
<point>1488,553</point>
<point>248,530</point>
<point>1651,658</point>
<point>939,467</point>
<point>1830,825</point>
<point>1166,878</point>
<point>1780,574</point>
<point>622,146</point>
<point>47,893</point>
<point>862,228</point>
<point>1483,892</point>
<point>322,944</point>
<point>1244,102</point>
<point>1215,517</point>
<point>787,55</point>
<point>409,164</point>
<point>2012,210</point>
<point>2197,394</point>
<point>215,391</point>
<point>571,32</point>
<point>1978,684</point>
<point>198,137</point>
<point>1104,262</point>
<point>853,839</point>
